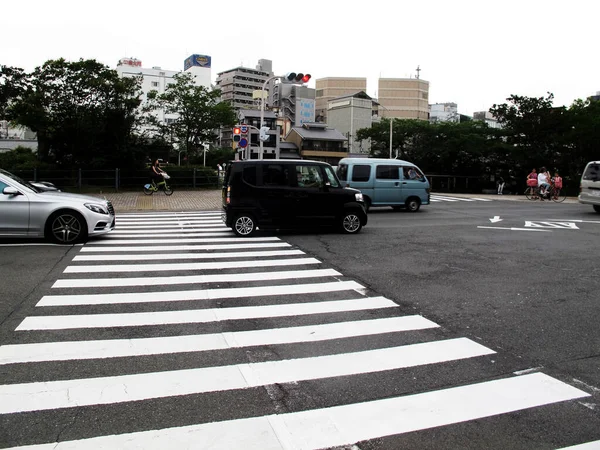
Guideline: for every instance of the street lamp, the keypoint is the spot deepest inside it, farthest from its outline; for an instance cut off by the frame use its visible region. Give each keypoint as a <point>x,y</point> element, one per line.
<point>391,129</point>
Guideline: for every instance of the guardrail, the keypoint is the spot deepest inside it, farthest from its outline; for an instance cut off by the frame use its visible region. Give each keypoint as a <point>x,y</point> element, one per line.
<point>115,179</point>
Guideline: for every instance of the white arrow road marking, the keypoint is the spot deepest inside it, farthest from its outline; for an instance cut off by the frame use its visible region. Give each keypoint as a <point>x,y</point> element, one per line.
<point>495,219</point>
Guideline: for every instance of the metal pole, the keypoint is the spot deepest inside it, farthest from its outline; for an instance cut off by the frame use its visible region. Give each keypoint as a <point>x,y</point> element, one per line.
<point>391,120</point>
<point>262,112</point>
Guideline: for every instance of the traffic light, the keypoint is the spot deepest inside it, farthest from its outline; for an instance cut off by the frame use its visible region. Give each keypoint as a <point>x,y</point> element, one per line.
<point>237,134</point>
<point>296,78</point>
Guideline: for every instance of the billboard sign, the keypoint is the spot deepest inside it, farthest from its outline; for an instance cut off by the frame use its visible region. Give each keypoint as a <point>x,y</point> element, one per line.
<point>305,111</point>
<point>197,61</point>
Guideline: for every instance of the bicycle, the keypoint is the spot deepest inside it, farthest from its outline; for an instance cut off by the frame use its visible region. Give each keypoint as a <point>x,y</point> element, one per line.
<point>153,187</point>
<point>556,194</point>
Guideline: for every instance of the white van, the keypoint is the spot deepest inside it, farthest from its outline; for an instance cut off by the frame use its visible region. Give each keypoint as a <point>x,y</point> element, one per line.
<point>386,182</point>
<point>589,189</point>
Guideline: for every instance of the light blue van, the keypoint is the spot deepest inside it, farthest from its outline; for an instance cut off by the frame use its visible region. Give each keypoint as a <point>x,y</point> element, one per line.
<point>386,182</point>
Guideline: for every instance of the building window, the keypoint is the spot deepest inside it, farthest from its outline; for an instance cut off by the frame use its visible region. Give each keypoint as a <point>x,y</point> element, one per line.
<point>154,83</point>
<point>161,74</point>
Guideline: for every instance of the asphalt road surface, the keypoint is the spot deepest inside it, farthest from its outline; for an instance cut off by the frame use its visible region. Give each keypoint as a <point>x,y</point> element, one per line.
<point>470,324</point>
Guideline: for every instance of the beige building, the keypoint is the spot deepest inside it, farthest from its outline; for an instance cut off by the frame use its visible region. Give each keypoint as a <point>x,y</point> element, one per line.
<point>333,87</point>
<point>404,98</point>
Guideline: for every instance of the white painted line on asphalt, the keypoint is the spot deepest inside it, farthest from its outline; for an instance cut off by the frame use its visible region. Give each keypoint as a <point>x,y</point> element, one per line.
<point>157,248</point>
<point>442,199</point>
<point>169,226</point>
<point>593,445</point>
<point>346,425</point>
<point>37,244</point>
<point>174,215</point>
<point>118,348</point>
<point>455,199</point>
<point>229,238</point>
<point>112,236</point>
<point>178,231</point>
<point>168,256</point>
<point>39,396</point>
<point>165,267</point>
<point>574,220</point>
<point>197,294</point>
<point>515,229</point>
<point>482,199</point>
<point>200,315</point>
<point>194,279</point>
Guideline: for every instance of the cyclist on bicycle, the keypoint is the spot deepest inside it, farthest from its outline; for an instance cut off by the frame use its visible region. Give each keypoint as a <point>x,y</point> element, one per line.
<point>156,173</point>
<point>543,181</point>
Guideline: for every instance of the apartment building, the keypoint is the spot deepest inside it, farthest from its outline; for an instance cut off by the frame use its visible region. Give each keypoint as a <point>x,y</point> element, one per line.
<point>404,98</point>
<point>238,85</point>
<point>350,113</point>
<point>443,112</point>
<point>330,88</point>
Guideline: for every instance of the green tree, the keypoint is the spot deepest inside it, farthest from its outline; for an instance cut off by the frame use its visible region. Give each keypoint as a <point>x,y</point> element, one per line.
<point>197,112</point>
<point>82,111</point>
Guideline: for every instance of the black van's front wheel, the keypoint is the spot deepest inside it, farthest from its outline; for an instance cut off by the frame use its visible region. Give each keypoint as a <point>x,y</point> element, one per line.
<point>351,223</point>
<point>244,225</point>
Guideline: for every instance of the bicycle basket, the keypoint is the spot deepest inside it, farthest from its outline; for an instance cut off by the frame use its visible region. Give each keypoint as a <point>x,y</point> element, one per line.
<point>165,175</point>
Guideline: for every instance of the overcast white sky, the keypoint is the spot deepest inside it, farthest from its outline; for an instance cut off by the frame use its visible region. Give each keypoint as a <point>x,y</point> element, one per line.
<point>473,52</point>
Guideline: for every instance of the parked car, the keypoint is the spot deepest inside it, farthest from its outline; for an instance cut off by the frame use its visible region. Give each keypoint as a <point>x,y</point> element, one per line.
<point>288,194</point>
<point>589,188</point>
<point>386,182</point>
<point>64,218</point>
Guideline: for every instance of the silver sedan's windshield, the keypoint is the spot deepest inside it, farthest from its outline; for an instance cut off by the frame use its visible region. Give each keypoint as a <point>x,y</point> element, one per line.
<point>19,180</point>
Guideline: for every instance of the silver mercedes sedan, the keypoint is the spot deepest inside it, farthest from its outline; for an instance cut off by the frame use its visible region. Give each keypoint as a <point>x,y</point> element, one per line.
<point>64,218</point>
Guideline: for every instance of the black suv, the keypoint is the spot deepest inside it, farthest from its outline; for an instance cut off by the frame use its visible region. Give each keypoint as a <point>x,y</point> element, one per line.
<point>288,194</point>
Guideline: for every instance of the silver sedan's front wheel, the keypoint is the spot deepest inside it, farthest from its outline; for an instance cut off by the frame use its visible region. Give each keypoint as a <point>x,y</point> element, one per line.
<point>66,228</point>
<point>244,225</point>
<point>351,223</point>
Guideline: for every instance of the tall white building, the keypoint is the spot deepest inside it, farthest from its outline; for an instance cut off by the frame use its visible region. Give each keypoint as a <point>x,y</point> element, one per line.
<point>443,112</point>
<point>157,79</point>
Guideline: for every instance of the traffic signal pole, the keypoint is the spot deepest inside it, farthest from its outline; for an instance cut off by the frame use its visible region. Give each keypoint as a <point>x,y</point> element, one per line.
<point>294,78</point>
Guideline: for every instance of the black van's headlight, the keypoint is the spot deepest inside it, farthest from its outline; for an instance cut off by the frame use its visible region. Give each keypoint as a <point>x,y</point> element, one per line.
<point>358,197</point>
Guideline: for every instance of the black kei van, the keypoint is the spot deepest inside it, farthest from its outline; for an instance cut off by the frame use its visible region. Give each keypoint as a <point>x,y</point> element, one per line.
<point>288,194</point>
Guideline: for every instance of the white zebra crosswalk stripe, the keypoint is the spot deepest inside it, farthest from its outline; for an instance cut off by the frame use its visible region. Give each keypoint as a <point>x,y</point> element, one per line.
<point>174,231</point>
<point>163,225</point>
<point>448,198</point>
<point>166,256</point>
<point>73,321</point>
<point>347,424</point>
<point>39,396</point>
<point>192,247</point>
<point>197,294</point>
<point>117,348</point>
<point>192,279</point>
<point>165,267</point>
<point>226,237</point>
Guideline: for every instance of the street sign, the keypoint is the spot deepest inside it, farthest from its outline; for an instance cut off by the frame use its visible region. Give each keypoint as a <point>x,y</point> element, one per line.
<point>244,129</point>
<point>243,143</point>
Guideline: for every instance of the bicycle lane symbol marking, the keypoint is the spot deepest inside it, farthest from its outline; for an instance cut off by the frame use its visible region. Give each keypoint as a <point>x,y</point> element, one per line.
<point>555,225</point>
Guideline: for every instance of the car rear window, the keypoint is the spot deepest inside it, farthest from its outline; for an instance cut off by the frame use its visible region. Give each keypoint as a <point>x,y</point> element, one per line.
<point>592,172</point>
<point>361,173</point>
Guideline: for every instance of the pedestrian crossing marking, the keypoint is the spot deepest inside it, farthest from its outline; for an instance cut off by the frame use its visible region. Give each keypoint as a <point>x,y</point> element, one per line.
<point>192,236</point>
<point>38,396</point>
<point>559,225</point>
<point>166,267</point>
<point>117,348</point>
<point>196,294</point>
<point>74,321</point>
<point>346,424</point>
<point>195,279</point>
<point>167,256</point>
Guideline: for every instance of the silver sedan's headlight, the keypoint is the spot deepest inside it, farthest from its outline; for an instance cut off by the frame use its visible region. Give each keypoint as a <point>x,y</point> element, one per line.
<point>358,196</point>
<point>100,209</point>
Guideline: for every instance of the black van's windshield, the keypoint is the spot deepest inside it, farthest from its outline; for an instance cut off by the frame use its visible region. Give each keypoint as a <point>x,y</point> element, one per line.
<point>592,173</point>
